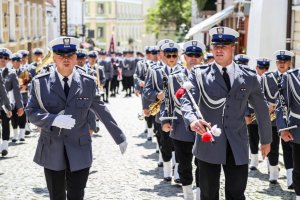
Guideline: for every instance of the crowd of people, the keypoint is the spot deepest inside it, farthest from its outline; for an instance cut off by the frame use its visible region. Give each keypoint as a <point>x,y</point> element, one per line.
<point>203,106</point>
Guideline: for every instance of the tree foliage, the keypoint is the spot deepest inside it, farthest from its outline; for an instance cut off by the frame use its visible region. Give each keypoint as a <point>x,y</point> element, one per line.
<point>169,14</point>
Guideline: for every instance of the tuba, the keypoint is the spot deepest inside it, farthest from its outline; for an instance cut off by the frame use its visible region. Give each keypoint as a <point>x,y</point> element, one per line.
<point>45,61</point>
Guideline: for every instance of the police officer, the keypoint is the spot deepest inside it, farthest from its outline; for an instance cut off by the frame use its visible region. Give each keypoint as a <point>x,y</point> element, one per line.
<point>108,70</point>
<point>209,58</point>
<point>183,139</point>
<point>288,118</point>
<point>262,66</point>
<point>114,82</point>
<point>222,91</point>
<point>59,104</point>
<point>270,89</point>
<point>81,59</point>
<point>241,59</point>
<point>154,91</point>
<point>24,79</point>
<point>38,55</point>
<point>13,91</point>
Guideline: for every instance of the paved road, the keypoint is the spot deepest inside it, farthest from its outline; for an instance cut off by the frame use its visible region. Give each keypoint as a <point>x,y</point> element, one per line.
<point>133,176</point>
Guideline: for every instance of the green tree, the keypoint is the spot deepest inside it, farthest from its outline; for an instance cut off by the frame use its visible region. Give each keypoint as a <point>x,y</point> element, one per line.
<point>169,14</point>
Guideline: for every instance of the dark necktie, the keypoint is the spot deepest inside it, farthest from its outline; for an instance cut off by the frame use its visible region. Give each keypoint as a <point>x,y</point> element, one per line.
<point>66,86</point>
<point>226,78</point>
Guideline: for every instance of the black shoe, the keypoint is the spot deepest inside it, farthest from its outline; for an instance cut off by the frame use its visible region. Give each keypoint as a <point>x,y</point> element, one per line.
<point>177,181</point>
<point>273,181</point>
<point>27,132</point>
<point>253,168</point>
<point>4,152</point>
<point>291,187</point>
<point>22,140</point>
<point>14,140</point>
<point>160,164</point>
<point>167,179</point>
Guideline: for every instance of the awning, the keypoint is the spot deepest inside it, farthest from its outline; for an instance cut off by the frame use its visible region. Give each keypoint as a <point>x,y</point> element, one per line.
<point>206,24</point>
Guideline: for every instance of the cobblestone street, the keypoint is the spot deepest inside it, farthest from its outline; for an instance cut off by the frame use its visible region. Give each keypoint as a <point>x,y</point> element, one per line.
<point>134,175</point>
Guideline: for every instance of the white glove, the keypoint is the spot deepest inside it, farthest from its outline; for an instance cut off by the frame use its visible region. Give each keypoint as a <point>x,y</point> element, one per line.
<point>64,121</point>
<point>123,146</point>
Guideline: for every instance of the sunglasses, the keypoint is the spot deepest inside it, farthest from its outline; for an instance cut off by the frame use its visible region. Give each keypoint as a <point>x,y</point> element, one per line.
<point>4,57</point>
<point>171,56</point>
<point>196,55</point>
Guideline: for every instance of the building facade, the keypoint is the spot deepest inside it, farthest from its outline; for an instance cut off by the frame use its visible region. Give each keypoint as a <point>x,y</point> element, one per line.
<point>22,24</point>
<point>295,32</point>
<point>121,19</point>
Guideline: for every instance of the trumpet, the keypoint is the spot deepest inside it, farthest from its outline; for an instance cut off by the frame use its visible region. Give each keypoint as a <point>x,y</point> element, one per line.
<point>272,117</point>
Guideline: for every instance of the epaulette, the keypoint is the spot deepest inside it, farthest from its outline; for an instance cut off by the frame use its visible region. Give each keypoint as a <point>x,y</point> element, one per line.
<point>42,75</point>
<point>88,76</point>
<point>79,68</point>
<point>292,70</point>
<point>249,70</point>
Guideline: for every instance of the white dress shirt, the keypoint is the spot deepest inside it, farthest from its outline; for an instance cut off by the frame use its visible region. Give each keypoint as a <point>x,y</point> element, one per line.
<point>230,71</point>
<point>61,78</point>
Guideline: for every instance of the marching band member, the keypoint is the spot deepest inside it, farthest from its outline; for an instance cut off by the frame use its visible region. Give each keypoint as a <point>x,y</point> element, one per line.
<point>24,79</point>
<point>209,58</point>
<point>38,55</point>
<point>153,91</point>
<point>13,91</point>
<point>222,91</point>
<point>288,118</point>
<point>270,89</point>
<point>59,104</point>
<point>183,139</point>
<point>262,66</point>
<point>108,70</point>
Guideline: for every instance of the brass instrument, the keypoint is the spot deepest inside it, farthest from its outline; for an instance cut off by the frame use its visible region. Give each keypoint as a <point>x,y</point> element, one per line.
<point>98,78</point>
<point>154,107</point>
<point>45,61</point>
<point>272,117</point>
<point>24,78</point>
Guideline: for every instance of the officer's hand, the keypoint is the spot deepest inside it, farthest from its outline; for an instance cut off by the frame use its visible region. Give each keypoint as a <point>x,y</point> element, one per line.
<point>265,150</point>
<point>248,120</point>
<point>271,108</point>
<point>137,93</point>
<point>20,112</point>
<point>167,127</point>
<point>146,112</point>
<point>160,96</point>
<point>64,121</point>
<point>199,126</point>
<point>141,83</point>
<point>123,146</point>
<point>9,114</point>
<point>286,136</point>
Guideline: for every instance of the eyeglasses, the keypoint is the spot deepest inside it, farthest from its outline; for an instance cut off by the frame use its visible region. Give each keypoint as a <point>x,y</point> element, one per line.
<point>196,55</point>
<point>4,57</point>
<point>171,56</point>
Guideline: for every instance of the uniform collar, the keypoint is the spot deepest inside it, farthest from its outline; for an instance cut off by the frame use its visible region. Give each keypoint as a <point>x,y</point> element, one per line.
<point>230,68</point>
<point>61,78</point>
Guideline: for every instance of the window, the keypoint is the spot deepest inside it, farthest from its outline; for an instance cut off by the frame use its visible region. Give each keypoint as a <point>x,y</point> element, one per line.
<point>100,32</point>
<point>100,8</point>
